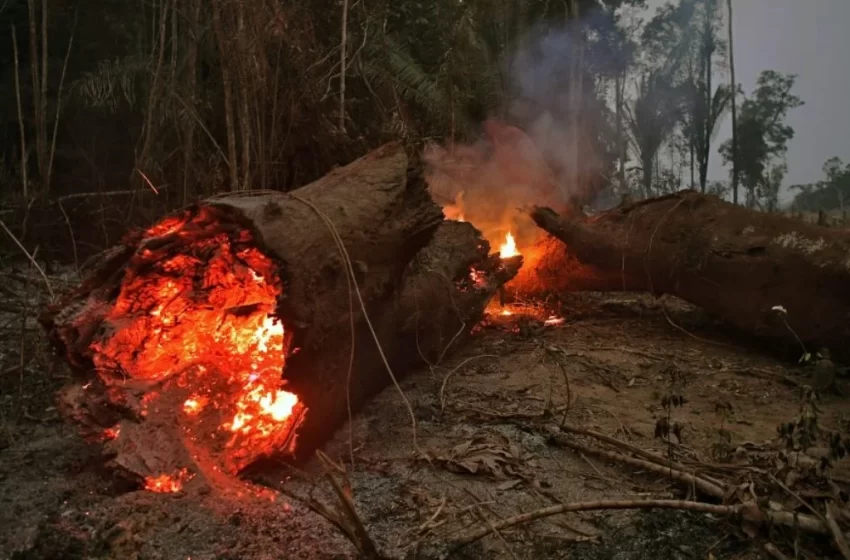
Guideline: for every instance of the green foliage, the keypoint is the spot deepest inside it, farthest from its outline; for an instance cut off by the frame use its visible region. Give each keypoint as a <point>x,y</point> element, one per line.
<point>763,135</point>
<point>831,193</point>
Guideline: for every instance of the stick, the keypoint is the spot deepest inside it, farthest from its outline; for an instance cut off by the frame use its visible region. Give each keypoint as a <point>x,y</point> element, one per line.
<point>703,485</point>
<point>31,259</point>
<point>648,455</point>
<point>523,518</point>
<point>457,367</point>
<point>837,535</point>
<point>366,546</point>
<point>774,551</point>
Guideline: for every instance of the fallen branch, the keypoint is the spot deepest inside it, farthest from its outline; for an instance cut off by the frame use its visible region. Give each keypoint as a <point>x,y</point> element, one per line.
<point>749,512</point>
<point>703,485</point>
<point>837,535</point>
<point>648,455</point>
<point>523,518</point>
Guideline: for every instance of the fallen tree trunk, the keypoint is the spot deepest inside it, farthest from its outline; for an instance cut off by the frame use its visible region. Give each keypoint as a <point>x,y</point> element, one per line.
<point>735,263</point>
<point>183,333</point>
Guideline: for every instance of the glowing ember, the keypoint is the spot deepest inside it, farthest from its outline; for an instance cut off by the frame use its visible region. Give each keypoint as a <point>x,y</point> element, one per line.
<point>195,316</point>
<point>552,321</point>
<point>506,313</point>
<point>167,483</point>
<point>111,433</point>
<point>508,248</point>
<point>478,278</point>
<point>194,405</point>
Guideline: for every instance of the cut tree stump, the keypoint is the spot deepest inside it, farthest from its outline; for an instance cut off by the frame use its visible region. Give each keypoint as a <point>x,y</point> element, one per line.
<point>735,263</point>
<point>423,281</point>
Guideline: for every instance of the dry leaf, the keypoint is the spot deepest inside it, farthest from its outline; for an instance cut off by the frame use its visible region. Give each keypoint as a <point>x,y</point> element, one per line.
<point>500,459</point>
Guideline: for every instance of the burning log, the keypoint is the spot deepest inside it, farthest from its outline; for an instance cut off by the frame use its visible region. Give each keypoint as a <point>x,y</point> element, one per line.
<point>223,334</point>
<point>735,263</point>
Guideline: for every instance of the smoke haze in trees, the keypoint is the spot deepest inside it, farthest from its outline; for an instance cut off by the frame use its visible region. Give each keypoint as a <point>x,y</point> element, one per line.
<point>544,148</point>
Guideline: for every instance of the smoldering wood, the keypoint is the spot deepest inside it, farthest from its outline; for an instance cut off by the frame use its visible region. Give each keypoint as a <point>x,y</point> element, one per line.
<point>735,263</point>
<point>412,270</point>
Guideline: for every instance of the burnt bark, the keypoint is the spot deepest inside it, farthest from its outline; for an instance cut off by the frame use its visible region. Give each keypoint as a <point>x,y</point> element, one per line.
<point>735,263</point>
<point>412,271</point>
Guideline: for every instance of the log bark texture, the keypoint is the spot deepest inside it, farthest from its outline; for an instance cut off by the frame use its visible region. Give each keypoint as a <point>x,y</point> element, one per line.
<point>735,263</point>
<point>412,271</point>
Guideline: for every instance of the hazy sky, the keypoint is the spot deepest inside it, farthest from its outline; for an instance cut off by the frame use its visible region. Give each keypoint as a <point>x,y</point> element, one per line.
<point>810,39</point>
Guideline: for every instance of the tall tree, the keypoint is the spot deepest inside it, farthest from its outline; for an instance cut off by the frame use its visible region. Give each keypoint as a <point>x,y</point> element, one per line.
<point>831,193</point>
<point>656,111</point>
<point>733,87</point>
<point>707,105</point>
<point>762,134</point>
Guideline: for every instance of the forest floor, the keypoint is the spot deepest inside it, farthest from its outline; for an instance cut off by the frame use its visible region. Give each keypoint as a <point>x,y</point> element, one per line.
<point>484,424</point>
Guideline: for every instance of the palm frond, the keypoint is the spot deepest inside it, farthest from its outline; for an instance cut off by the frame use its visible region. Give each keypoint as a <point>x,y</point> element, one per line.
<point>112,82</point>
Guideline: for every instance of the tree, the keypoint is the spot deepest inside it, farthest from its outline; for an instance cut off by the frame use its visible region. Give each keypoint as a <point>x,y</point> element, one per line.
<point>762,136</point>
<point>733,86</point>
<point>707,106</point>
<point>831,193</point>
<point>656,111</point>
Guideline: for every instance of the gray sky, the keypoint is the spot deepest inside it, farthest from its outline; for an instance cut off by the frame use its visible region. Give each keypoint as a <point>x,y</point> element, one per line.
<point>808,38</point>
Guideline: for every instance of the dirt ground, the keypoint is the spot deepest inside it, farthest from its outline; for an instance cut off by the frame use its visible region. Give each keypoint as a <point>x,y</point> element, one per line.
<point>483,421</point>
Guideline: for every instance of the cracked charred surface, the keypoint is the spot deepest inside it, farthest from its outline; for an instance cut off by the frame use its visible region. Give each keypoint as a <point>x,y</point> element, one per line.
<point>735,263</point>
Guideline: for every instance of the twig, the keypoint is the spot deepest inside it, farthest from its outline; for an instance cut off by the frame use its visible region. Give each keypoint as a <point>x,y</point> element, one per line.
<point>556,355</point>
<point>648,455</point>
<point>59,103</point>
<point>457,367</point>
<point>774,551</point>
<point>837,535</point>
<point>364,541</point>
<point>690,334</point>
<point>652,238</point>
<point>680,476</point>
<point>105,193</point>
<point>495,531</point>
<point>599,474</point>
<point>73,241</point>
<point>31,259</point>
<point>523,518</point>
<point>425,526</point>
<point>148,181</point>
<point>797,497</point>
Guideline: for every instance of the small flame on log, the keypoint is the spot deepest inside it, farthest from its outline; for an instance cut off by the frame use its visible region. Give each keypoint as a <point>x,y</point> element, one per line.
<point>508,248</point>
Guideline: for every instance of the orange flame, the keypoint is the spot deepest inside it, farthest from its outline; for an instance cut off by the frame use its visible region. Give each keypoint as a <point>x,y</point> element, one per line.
<point>508,248</point>
<point>167,483</point>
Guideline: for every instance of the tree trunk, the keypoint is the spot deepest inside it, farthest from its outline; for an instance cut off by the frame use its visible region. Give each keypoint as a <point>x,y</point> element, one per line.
<point>619,86</point>
<point>153,95</point>
<point>412,273</point>
<point>343,43</point>
<point>228,95</point>
<point>735,263</point>
<point>734,108</point>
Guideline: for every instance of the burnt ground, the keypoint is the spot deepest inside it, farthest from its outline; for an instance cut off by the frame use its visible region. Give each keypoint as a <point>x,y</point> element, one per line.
<point>484,451</point>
